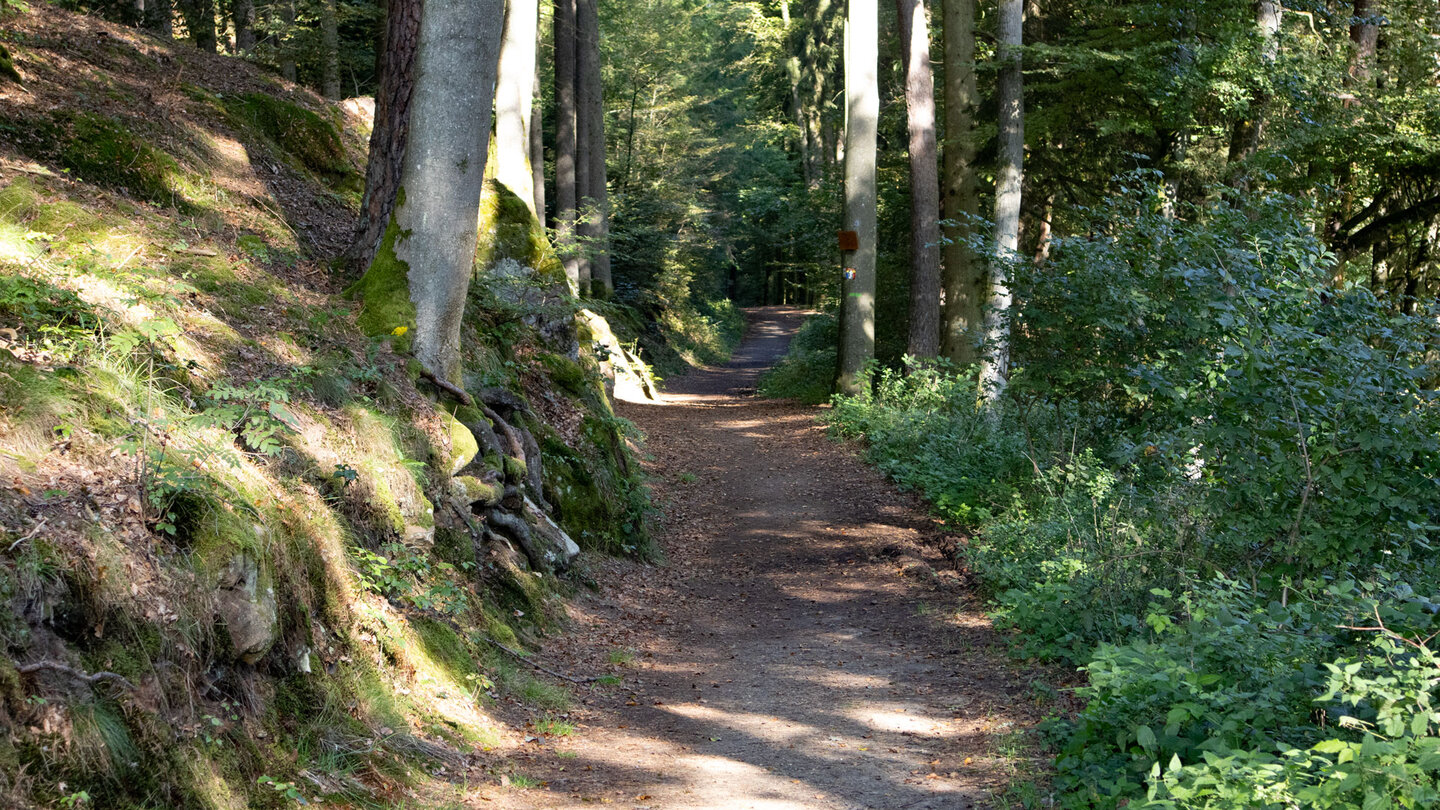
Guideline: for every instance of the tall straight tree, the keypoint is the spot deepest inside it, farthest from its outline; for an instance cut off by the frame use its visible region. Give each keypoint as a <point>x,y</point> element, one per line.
<point>200,22</point>
<point>390,130</point>
<point>428,255</point>
<point>590,109</point>
<point>329,49</point>
<point>514,99</point>
<point>924,339</point>
<point>242,16</point>
<point>1009,177</point>
<point>862,103</point>
<point>566,189</point>
<point>1246,135</point>
<point>537,154</point>
<point>964,274</point>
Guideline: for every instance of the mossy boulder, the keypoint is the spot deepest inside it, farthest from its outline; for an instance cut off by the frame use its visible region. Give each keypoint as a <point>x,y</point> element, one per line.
<point>104,151</point>
<point>463,447</point>
<point>305,135</point>
<point>7,66</point>
<point>514,233</point>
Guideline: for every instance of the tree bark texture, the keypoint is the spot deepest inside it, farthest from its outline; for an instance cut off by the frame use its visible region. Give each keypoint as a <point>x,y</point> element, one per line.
<point>857,286</point>
<point>591,108</point>
<point>287,40</point>
<point>566,191</point>
<point>242,16</point>
<point>390,130</point>
<point>1009,176</point>
<point>200,23</point>
<point>329,49</point>
<point>514,99</point>
<point>157,17</point>
<point>1365,34</point>
<point>537,153</point>
<point>924,339</point>
<point>444,170</point>
<point>964,274</point>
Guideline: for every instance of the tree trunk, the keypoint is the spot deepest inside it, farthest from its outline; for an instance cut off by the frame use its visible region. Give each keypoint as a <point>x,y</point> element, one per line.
<point>200,23</point>
<point>1246,136</point>
<point>1009,176</point>
<point>157,18</point>
<point>514,99</point>
<point>924,180</point>
<point>1365,34</point>
<point>537,153</point>
<point>242,14</point>
<point>592,149</point>
<point>566,199</point>
<point>857,287</point>
<point>287,40</point>
<point>390,130</point>
<point>964,274</point>
<point>431,242</point>
<point>329,49</point>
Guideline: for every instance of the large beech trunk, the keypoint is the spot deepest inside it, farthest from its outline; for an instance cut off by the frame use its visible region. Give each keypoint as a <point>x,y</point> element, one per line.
<point>1009,177</point>
<point>514,99</point>
<point>964,273</point>
<point>857,286</point>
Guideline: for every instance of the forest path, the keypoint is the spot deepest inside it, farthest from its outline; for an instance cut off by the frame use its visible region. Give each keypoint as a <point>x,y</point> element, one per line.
<point>803,646</point>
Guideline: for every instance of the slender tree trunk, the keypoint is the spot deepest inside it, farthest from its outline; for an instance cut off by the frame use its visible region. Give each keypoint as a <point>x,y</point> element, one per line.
<point>1365,34</point>
<point>857,287</point>
<point>591,109</point>
<point>514,101</point>
<point>287,40</point>
<point>566,191</point>
<point>329,49</point>
<point>390,130</point>
<point>200,22</point>
<point>433,237</point>
<point>924,180</point>
<point>242,15</point>
<point>537,153</point>
<point>1246,136</point>
<point>964,273</point>
<point>157,18</point>
<point>1009,177</point>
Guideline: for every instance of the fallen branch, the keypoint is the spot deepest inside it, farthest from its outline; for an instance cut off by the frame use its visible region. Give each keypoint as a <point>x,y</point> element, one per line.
<point>520,656</point>
<point>447,386</point>
<point>75,673</point>
<point>32,533</point>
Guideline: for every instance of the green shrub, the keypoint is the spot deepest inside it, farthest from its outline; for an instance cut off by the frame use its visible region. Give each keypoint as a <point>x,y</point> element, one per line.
<point>807,371</point>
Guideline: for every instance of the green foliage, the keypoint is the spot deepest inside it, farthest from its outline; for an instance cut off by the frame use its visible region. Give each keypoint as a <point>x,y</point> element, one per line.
<point>807,371</point>
<point>400,572</point>
<point>45,317</point>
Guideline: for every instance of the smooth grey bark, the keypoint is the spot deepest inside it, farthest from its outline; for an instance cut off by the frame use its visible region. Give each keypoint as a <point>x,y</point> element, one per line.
<point>591,110</point>
<point>862,103</point>
<point>444,170</point>
<point>924,338</point>
<point>566,191</point>
<point>329,49</point>
<point>242,16</point>
<point>514,99</point>
<point>1009,176</point>
<point>537,153</point>
<point>964,274</point>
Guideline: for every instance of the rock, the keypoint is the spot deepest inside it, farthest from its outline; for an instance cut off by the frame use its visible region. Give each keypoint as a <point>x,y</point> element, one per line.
<point>562,550</point>
<point>246,604</point>
<point>627,378</point>
<point>419,535</point>
<point>463,445</point>
<point>472,494</point>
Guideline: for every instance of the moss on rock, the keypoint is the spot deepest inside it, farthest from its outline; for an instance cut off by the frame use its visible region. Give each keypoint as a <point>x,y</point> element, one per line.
<point>312,140</point>
<point>7,66</point>
<point>515,234</point>
<point>102,150</point>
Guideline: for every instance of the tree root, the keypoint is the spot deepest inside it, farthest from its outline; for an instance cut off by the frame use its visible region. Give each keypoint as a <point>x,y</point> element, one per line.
<point>91,679</point>
<point>522,658</point>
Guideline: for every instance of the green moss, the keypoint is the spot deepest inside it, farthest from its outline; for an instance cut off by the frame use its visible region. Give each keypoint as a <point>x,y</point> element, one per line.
<point>463,447</point>
<point>474,490</point>
<point>312,140</point>
<point>515,469</point>
<point>445,647</point>
<point>7,66</point>
<point>514,233</point>
<point>567,374</point>
<point>384,292</point>
<point>252,245</point>
<point>103,151</point>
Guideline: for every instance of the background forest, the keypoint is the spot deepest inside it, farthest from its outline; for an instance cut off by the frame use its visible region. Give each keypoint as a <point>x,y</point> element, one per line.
<point>1211,477</point>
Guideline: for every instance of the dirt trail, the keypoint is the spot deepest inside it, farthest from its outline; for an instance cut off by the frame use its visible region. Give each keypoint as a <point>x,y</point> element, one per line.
<point>803,647</point>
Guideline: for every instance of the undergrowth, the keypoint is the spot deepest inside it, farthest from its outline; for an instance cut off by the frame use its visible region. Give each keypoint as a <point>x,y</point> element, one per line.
<point>1220,505</point>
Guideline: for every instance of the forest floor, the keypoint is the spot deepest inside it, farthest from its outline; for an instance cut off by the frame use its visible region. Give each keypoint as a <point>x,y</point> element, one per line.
<point>806,644</point>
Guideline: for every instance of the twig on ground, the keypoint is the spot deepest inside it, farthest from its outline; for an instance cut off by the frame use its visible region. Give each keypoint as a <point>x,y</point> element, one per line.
<point>32,533</point>
<point>525,660</point>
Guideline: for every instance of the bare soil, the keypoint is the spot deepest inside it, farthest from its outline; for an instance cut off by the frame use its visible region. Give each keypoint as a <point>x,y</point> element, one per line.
<point>806,645</point>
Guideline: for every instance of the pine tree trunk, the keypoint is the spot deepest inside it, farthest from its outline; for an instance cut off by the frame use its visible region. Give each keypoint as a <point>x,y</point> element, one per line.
<point>587,89</point>
<point>1009,177</point>
<point>1365,34</point>
<point>857,286</point>
<point>566,191</point>
<point>287,40</point>
<point>964,273</point>
<point>391,128</point>
<point>514,101</point>
<point>592,149</point>
<point>924,339</point>
<point>242,15</point>
<point>433,238</point>
<point>329,49</point>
